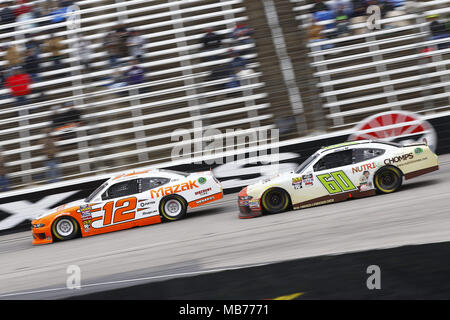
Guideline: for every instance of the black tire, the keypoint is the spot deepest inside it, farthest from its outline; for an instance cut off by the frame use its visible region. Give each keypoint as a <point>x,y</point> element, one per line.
<point>388,179</point>
<point>172,208</point>
<point>65,228</point>
<point>275,200</point>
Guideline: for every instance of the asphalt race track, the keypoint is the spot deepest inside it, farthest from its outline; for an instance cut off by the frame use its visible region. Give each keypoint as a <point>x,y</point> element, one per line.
<point>212,239</point>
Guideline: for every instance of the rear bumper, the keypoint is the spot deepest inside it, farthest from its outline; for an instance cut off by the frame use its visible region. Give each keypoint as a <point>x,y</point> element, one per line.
<point>420,172</point>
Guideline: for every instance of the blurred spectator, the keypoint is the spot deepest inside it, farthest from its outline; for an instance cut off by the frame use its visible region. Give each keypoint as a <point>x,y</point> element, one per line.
<point>19,85</point>
<point>345,7</point>
<point>135,43</point>
<point>315,34</point>
<point>342,22</point>
<point>13,57</point>
<point>211,40</point>
<point>4,182</point>
<point>23,8</point>
<point>31,65</point>
<point>54,46</point>
<point>23,18</point>
<point>438,30</point>
<point>242,33</point>
<point>117,80</point>
<point>50,151</point>
<point>112,44</point>
<point>122,35</point>
<point>6,15</point>
<point>84,52</point>
<point>359,8</point>
<point>238,62</point>
<point>33,44</point>
<point>135,74</point>
<point>319,6</point>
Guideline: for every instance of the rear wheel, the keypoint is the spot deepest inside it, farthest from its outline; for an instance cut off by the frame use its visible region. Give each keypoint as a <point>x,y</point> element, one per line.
<point>275,200</point>
<point>65,228</point>
<point>388,179</point>
<point>172,208</point>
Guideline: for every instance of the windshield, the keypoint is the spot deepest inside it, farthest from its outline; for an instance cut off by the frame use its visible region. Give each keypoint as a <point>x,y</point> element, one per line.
<point>306,163</point>
<point>96,192</point>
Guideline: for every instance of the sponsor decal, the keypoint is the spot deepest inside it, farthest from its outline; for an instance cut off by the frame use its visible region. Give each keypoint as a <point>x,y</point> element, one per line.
<point>202,180</point>
<point>87,225</point>
<point>364,167</point>
<point>145,203</point>
<point>308,179</point>
<point>204,200</point>
<point>297,183</point>
<point>401,158</point>
<point>202,192</point>
<point>163,191</point>
<point>418,150</point>
<point>85,211</point>
<point>254,204</point>
<point>149,212</point>
<point>364,181</point>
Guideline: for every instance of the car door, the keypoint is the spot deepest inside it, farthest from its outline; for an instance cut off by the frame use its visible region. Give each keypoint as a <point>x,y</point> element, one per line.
<point>332,174</point>
<point>119,205</point>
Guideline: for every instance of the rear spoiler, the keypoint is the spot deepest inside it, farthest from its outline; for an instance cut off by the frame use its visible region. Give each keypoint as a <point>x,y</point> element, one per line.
<point>423,143</point>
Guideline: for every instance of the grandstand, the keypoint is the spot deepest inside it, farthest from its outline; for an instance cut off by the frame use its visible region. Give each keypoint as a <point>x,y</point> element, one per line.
<point>122,131</point>
<point>397,67</point>
<point>327,85</point>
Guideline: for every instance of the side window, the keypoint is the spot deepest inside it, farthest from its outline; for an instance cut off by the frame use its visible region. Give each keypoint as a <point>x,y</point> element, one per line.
<point>361,155</point>
<point>151,183</point>
<point>121,189</point>
<point>334,160</point>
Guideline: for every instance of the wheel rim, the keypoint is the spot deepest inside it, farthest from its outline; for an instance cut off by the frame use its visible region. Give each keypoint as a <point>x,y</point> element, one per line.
<point>64,227</point>
<point>173,208</point>
<point>276,200</point>
<point>388,180</point>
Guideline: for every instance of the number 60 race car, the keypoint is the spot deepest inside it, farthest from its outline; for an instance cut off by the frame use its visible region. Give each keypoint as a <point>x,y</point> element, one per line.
<point>336,173</point>
<point>128,200</point>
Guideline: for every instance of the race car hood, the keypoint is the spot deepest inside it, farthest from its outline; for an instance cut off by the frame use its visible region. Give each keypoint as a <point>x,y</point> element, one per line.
<point>265,183</point>
<point>71,206</point>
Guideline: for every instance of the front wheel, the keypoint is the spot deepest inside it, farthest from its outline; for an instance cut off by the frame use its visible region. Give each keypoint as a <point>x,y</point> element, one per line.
<point>172,208</point>
<point>65,228</point>
<point>388,179</point>
<point>275,201</point>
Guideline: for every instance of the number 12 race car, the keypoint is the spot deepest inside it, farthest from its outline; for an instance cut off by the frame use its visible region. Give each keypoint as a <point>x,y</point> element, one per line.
<point>128,200</point>
<point>336,173</point>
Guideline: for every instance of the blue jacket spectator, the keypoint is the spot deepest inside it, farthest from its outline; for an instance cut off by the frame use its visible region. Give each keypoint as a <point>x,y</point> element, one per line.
<point>135,74</point>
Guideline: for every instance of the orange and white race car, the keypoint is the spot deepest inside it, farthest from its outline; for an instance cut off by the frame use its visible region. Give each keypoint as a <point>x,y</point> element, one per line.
<point>128,200</point>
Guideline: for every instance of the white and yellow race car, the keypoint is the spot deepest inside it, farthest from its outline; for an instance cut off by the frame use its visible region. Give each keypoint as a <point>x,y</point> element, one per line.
<point>128,200</point>
<point>349,170</point>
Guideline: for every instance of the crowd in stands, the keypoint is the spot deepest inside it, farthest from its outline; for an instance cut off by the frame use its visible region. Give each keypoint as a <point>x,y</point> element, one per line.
<point>331,19</point>
<point>25,64</point>
<point>237,65</point>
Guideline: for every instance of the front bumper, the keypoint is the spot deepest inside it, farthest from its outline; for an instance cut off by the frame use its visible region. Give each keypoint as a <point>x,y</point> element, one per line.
<point>248,208</point>
<point>42,235</point>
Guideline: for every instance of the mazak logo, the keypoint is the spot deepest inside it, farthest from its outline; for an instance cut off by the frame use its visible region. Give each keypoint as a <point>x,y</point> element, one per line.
<point>364,167</point>
<point>163,191</point>
<point>404,157</point>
